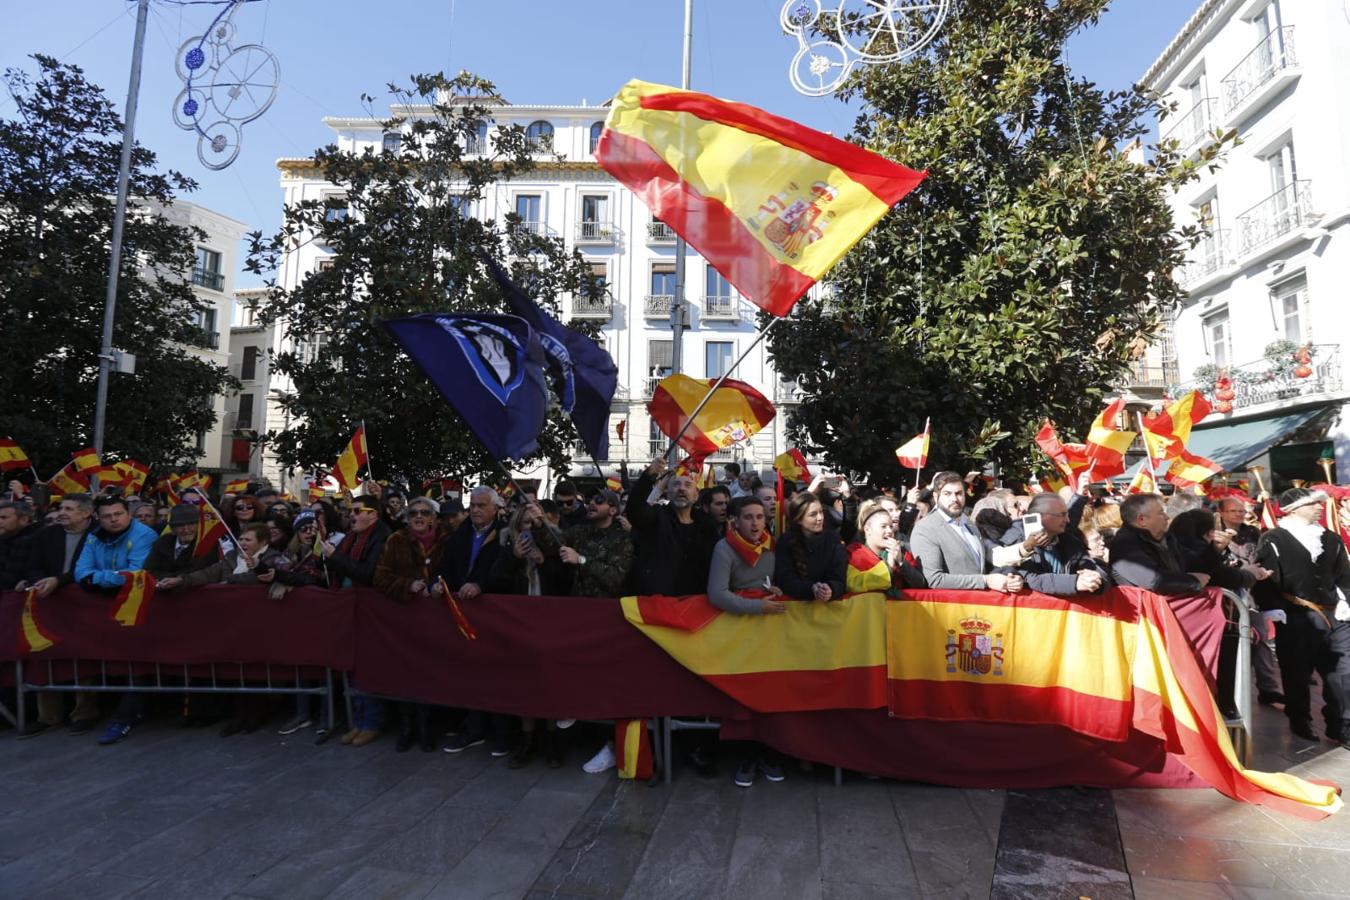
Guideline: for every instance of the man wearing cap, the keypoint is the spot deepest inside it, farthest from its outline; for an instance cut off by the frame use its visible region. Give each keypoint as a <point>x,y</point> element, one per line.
<point>175,553</point>
<point>1308,592</point>
<point>601,551</point>
<point>452,515</point>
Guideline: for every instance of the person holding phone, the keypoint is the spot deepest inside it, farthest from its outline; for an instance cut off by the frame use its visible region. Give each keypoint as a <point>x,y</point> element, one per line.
<point>1054,558</point>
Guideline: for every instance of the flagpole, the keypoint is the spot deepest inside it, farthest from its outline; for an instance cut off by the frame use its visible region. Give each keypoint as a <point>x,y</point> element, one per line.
<point>1148,451</point>
<point>677,303</point>
<point>520,492</point>
<point>928,420</point>
<point>207,500</point>
<point>365,438</point>
<point>717,384</point>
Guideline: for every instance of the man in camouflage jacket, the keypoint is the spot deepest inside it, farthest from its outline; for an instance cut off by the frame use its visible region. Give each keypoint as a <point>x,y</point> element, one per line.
<point>601,551</point>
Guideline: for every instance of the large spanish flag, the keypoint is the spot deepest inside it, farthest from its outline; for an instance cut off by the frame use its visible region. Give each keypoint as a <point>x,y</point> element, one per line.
<point>735,413</point>
<point>132,603</point>
<point>353,459</point>
<point>1188,470</point>
<point>814,656</point>
<point>1101,667</point>
<point>771,204</point>
<point>1070,459</point>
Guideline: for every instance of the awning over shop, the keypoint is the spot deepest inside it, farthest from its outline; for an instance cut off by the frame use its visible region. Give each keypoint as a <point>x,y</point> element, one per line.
<point>1233,444</point>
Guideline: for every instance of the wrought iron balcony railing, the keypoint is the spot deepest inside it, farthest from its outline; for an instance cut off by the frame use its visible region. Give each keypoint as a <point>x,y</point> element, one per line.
<point>718,306</point>
<point>656,305</point>
<point>1213,253</point>
<point>1271,56</point>
<point>660,233</point>
<point>1196,126</point>
<point>595,232</point>
<point>1282,212</point>
<point>1257,383</point>
<point>601,307</point>
<point>208,279</point>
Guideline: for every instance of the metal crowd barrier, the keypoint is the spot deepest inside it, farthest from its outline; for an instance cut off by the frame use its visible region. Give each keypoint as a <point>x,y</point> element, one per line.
<point>1240,729</point>
<point>105,677</point>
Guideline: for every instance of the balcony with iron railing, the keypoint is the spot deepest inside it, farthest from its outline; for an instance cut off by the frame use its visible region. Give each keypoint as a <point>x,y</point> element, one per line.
<point>595,233</point>
<point>208,279</point>
<point>1196,127</point>
<point>719,306</point>
<point>1281,213</point>
<point>1153,374</point>
<point>649,385</point>
<point>657,305</point>
<point>660,233</point>
<point>601,307</point>
<point>1259,383</point>
<point>1212,254</point>
<point>1267,67</point>
<point>787,392</point>
<point>529,227</point>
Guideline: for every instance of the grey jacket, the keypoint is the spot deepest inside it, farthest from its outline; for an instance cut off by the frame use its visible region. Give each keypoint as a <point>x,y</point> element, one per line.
<point>949,563</point>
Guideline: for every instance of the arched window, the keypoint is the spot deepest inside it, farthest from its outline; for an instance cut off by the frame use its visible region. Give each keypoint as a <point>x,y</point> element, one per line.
<point>540,135</point>
<point>596,130</point>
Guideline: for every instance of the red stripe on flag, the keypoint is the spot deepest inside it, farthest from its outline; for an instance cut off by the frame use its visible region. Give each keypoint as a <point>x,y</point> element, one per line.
<point>886,180</point>
<point>1109,605</point>
<point>720,237</point>
<point>687,614</point>
<point>988,701</point>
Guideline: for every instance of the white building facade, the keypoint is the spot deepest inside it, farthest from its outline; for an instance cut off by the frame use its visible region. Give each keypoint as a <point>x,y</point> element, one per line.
<point>1266,287</point>
<point>212,278</point>
<point>632,253</point>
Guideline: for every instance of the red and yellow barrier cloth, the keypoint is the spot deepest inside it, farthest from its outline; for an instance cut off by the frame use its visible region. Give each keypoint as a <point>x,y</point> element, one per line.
<point>771,204</point>
<point>565,657</point>
<point>814,656</point>
<point>33,637</point>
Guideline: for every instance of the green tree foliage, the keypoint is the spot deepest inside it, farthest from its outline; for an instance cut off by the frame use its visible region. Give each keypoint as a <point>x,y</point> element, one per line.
<point>1019,280</point>
<point>59,156</point>
<point>400,246</point>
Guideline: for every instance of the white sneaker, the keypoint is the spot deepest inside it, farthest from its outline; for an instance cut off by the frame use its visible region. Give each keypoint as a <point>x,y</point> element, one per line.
<point>564,724</point>
<point>601,762</point>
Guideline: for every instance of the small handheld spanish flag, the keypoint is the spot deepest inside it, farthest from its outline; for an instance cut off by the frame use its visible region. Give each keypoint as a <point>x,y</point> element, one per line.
<point>12,455</point>
<point>461,622</point>
<point>913,454</point>
<point>132,603</point>
<point>353,459</point>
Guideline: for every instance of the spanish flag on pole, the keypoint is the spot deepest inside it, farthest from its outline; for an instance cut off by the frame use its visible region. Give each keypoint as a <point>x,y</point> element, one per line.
<point>69,480</point>
<point>12,455</point>
<point>1143,482</point>
<point>236,486</point>
<point>133,474</point>
<point>85,459</point>
<point>771,204</point>
<point>347,471</point>
<point>913,454</point>
<point>791,464</point>
<point>1168,432</point>
<point>1106,444</point>
<point>1070,459</point>
<point>735,413</point>
<point>1188,470</point>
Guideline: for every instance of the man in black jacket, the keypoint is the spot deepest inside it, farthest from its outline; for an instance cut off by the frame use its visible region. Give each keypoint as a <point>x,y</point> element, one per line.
<point>1309,593</point>
<point>176,553</point>
<point>353,561</point>
<point>1060,564</point>
<point>17,531</point>
<point>1144,555</point>
<point>51,565</point>
<point>466,565</point>
<point>674,542</point>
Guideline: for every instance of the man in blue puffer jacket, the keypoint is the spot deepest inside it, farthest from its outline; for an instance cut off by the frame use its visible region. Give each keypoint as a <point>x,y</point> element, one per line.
<point>118,544</point>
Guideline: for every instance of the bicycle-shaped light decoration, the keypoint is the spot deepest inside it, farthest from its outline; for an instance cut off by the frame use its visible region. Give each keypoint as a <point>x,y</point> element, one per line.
<point>225,87</point>
<point>868,31</point>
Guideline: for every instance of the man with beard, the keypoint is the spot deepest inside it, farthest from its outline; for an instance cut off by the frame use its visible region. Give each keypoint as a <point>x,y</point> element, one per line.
<point>1308,593</point>
<point>675,541</point>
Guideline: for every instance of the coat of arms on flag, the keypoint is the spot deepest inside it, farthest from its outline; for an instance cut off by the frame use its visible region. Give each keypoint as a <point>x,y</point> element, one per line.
<point>973,650</point>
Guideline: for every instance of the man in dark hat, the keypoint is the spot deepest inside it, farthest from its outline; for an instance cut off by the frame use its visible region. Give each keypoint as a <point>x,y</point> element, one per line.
<point>175,553</point>
<point>452,514</point>
<point>1308,593</point>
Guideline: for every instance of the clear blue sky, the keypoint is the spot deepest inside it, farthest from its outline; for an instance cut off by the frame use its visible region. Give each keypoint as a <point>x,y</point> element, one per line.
<point>331,51</point>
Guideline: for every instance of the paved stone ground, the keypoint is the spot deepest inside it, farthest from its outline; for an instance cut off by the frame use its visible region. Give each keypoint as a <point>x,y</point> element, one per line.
<point>173,813</point>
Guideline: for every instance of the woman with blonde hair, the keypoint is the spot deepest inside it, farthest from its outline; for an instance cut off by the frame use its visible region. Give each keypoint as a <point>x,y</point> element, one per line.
<point>880,561</point>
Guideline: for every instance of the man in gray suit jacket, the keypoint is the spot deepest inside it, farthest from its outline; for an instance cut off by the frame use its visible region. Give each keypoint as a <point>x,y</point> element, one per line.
<point>950,549</point>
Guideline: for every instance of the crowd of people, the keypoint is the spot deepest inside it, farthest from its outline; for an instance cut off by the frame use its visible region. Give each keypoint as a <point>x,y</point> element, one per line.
<point>668,537</point>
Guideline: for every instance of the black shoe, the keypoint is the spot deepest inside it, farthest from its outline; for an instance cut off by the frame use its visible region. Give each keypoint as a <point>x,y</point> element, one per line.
<point>405,742</point>
<point>1303,730</point>
<point>702,761</point>
<point>33,729</point>
<point>1269,699</point>
<point>428,742</point>
<point>82,726</point>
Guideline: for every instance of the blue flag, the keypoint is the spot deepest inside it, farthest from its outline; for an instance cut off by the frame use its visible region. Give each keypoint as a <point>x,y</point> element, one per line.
<point>489,368</point>
<point>584,375</point>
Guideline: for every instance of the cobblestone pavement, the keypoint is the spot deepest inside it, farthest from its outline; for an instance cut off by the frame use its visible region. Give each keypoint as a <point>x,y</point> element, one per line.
<point>183,813</point>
